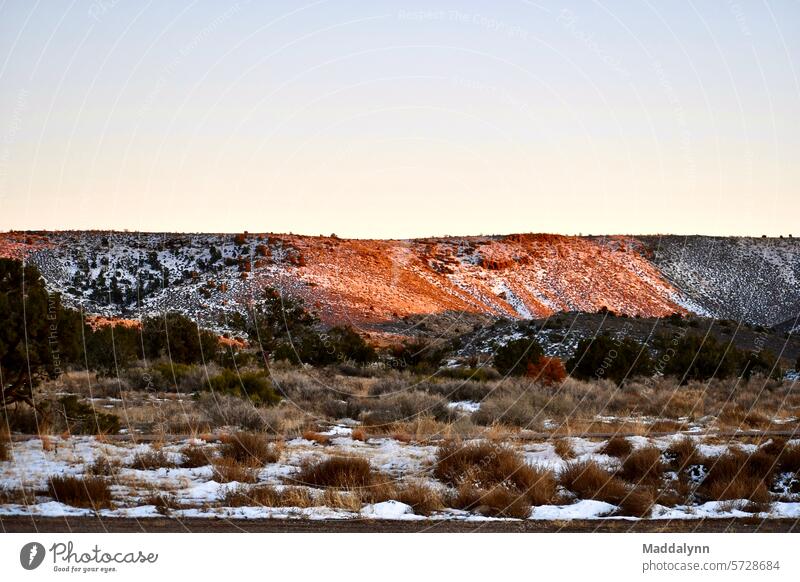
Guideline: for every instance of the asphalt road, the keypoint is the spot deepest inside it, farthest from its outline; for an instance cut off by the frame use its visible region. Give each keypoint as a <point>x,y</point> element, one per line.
<point>29,524</point>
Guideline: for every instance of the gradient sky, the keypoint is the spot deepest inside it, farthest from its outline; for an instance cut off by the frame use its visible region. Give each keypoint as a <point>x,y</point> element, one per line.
<point>401,119</point>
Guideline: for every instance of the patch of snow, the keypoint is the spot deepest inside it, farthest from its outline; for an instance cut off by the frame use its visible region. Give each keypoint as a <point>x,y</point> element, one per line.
<point>464,406</point>
<point>584,509</point>
<point>390,510</point>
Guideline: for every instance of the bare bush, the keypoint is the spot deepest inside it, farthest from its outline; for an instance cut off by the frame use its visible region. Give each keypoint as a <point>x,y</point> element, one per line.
<point>91,492</point>
<point>227,470</point>
<point>267,496</point>
<point>498,501</point>
<point>226,410</point>
<point>402,407</point>
<point>617,446</point>
<point>152,459</point>
<point>343,472</point>
<point>250,449</point>
<point>423,498</point>
<point>195,456</point>
<point>103,466</point>
<point>484,465</point>
<point>643,466</point>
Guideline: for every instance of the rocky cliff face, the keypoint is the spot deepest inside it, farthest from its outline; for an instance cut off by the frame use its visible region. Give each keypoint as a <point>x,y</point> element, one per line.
<point>210,276</point>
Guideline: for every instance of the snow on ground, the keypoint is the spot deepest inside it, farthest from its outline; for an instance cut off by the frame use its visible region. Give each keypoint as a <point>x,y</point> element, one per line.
<point>584,509</point>
<point>464,406</point>
<point>198,494</point>
<point>390,510</point>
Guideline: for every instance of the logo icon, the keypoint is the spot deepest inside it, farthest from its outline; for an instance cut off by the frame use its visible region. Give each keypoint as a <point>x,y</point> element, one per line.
<point>31,555</point>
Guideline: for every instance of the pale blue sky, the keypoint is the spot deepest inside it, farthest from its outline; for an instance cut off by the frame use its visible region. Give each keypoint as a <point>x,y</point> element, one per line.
<point>380,119</point>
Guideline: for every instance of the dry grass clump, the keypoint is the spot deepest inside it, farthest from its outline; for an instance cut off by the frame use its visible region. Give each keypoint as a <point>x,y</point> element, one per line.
<point>507,407</point>
<point>403,406</point>
<point>341,472</point>
<point>228,470</point>
<point>5,446</point>
<point>424,428</point>
<point>227,410</point>
<point>349,481</point>
<point>268,496</point>
<point>743,417</point>
<point>737,475</point>
<point>563,448</point>
<point>681,402</point>
<point>152,459</point>
<point>485,465</point>
<point>359,434</point>
<point>382,488</point>
<point>787,457</point>
<point>17,496</point>
<point>423,498</point>
<point>497,501</point>
<point>638,502</point>
<point>643,466</point>
<point>743,486</point>
<point>315,437</point>
<point>104,467</point>
<point>682,453</point>
<point>349,500</point>
<point>588,480</point>
<point>664,426</point>
<point>250,449</point>
<point>677,492</point>
<point>163,502</point>
<point>91,492</point>
<point>617,446</point>
<point>402,436</point>
<point>194,456</point>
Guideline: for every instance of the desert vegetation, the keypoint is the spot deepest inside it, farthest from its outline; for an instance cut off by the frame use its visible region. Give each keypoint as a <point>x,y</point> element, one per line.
<point>294,418</point>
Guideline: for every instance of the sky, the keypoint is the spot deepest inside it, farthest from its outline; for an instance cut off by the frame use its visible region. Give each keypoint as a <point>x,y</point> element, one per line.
<point>401,119</point>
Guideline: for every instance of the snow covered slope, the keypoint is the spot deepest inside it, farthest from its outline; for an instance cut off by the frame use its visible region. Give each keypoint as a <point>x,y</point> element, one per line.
<point>361,281</point>
<point>751,279</point>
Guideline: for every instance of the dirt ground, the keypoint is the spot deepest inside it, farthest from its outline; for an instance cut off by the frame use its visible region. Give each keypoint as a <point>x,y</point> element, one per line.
<point>20,524</point>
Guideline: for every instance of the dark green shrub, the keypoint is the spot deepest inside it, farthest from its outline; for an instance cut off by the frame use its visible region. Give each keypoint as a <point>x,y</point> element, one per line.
<point>34,327</point>
<point>694,357</point>
<point>308,347</point>
<point>418,355</point>
<point>276,318</point>
<point>514,357</point>
<point>606,357</point>
<point>349,346</point>
<point>253,385</point>
<point>178,338</point>
<point>112,348</point>
<point>82,418</point>
<point>762,363</point>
